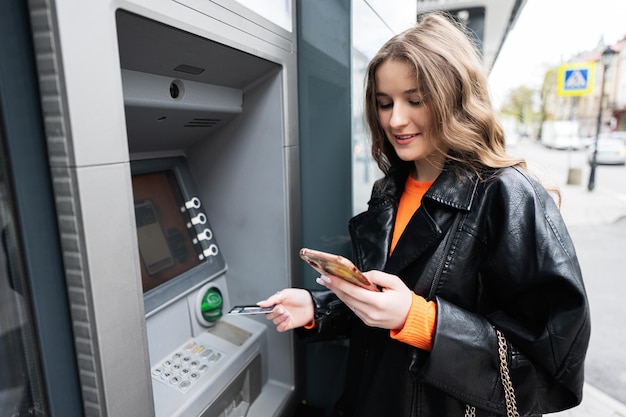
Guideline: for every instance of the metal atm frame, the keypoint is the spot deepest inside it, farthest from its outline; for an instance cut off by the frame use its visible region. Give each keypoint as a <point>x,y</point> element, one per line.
<point>112,75</point>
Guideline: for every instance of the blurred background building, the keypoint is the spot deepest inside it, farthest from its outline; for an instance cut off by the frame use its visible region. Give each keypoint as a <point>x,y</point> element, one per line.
<point>585,108</point>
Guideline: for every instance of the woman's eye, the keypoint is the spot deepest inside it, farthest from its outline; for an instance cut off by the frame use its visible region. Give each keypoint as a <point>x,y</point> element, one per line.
<point>385,105</point>
<point>416,102</point>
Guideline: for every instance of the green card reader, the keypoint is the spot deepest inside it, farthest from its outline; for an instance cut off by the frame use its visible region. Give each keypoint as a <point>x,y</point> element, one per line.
<point>210,306</point>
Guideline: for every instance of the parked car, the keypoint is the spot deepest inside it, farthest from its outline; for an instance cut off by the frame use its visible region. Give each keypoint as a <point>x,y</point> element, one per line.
<point>611,149</point>
<point>619,134</point>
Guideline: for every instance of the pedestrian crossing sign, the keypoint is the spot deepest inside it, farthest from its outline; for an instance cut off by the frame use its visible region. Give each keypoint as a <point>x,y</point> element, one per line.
<point>576,79</point>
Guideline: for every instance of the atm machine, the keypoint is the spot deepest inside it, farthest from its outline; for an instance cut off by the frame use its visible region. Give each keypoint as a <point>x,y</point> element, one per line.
<point>205,124</point>
<point>172,129</point>
<point>203,362</point>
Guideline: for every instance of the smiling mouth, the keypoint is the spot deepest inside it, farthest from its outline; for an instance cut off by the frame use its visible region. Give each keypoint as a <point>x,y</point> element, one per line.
<point>406,137</point>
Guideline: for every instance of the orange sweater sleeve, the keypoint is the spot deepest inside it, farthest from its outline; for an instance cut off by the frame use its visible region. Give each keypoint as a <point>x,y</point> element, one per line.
<point>420,324</point>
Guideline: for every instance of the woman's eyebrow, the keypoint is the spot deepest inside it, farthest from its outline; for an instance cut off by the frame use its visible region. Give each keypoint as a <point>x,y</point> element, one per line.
<point>409,91</point>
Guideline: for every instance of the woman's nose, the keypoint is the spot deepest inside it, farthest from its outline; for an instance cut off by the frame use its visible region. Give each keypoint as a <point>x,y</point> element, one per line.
<point>398,116</point>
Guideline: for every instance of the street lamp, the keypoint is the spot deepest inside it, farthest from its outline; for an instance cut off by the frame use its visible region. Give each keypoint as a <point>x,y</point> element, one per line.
<point>607,56</point>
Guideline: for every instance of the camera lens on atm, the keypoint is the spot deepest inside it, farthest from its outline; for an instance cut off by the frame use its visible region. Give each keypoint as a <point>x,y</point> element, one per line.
<point>176,89</point>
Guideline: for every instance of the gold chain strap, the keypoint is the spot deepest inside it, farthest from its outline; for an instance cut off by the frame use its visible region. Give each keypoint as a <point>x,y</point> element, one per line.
<point>509,393</point>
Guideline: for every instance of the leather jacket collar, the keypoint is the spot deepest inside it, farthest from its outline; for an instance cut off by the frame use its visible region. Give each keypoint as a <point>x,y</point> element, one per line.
<point>452,191</point>
<point>454,187</point>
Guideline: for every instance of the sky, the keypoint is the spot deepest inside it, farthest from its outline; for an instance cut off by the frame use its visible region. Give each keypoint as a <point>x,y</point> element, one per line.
<point>549,32</point>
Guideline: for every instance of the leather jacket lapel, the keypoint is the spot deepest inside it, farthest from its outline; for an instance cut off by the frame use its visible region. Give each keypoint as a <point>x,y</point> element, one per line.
<point>421,232</point>
<point>450,192</point>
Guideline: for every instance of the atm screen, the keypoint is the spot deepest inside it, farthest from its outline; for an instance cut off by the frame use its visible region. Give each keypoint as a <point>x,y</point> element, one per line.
<point>177,249</point>
<point>165,243</point>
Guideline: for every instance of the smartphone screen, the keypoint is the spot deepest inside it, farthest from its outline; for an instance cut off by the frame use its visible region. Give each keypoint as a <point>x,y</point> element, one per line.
<point>328,263</point>
<point>155,252</point>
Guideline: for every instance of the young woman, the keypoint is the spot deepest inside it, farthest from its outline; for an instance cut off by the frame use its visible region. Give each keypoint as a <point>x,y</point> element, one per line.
<point>468,249</point>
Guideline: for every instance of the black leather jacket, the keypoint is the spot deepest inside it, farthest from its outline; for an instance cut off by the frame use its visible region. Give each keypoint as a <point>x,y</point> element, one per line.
<point>492,253</point>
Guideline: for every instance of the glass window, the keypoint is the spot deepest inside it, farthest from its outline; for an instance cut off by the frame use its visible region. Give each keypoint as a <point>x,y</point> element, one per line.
<point>373,24</point>
<point>18,370</point>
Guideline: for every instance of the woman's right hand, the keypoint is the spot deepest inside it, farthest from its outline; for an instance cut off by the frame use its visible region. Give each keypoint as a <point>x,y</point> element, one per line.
<point>293,307</point>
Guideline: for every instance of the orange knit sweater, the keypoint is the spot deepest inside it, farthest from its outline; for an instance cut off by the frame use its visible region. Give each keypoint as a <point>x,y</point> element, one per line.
<point>419,326</point>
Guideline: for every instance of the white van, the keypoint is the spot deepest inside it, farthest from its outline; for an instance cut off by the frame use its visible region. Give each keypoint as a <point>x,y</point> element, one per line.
<point>561,134</point>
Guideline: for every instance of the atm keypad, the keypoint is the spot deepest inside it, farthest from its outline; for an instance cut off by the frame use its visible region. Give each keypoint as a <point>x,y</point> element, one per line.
<point>186,366</point>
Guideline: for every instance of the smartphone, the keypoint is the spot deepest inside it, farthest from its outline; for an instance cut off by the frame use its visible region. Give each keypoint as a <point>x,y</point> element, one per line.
<point>250,309</point>
<point>153,247</point>
<point>336,265</point>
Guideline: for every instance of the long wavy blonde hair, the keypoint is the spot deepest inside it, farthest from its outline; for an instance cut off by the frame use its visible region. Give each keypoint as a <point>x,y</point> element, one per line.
<point>452,81</point>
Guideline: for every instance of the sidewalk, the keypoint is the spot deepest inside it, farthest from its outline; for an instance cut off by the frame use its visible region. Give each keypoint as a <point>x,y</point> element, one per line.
<point>605,204</point>
<point>577,208</point>
<point>595,404</point>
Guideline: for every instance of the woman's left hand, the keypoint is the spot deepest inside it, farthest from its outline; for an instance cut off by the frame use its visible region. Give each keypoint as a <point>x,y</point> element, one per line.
<point>386,309</point>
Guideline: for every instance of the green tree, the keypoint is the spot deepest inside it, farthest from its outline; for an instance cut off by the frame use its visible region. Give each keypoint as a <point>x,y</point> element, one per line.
<point>548,91</point>
<point>520,104</point>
